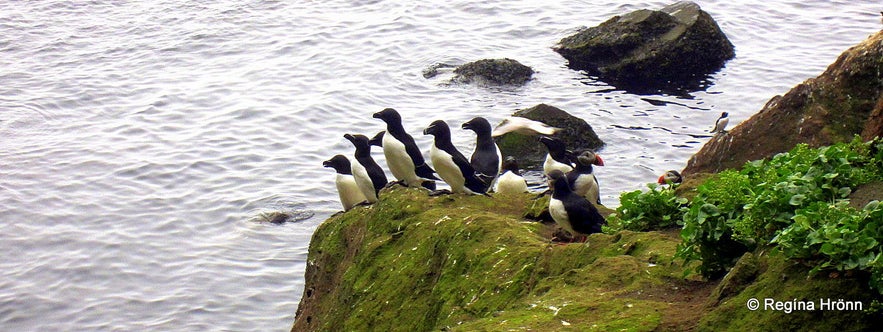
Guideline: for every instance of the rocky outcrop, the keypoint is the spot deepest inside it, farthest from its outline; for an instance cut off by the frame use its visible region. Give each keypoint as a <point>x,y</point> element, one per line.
<point>576,133</point>
<point>844,101</point>
<point>493,72</point>
<point>678,44</point>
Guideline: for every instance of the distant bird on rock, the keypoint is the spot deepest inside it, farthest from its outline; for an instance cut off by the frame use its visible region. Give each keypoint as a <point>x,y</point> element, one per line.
<point>670,177</point>
<point>347,189</point>
<point>721,124</point>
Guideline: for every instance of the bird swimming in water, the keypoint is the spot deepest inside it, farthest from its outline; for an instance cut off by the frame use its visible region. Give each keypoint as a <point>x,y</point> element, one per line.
<point>523,126</point>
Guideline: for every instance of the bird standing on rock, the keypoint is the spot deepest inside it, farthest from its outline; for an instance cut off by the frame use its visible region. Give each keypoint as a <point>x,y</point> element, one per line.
<point>450,164</point>
<point>558,157</point>
<point>368,175</point>
<point>721,124</point>
<point>582,178</point>
<point>347,189</point>
<point>571,211</point>
<point>402,155</point>
<point>511,181</point>
<point>486,158</point>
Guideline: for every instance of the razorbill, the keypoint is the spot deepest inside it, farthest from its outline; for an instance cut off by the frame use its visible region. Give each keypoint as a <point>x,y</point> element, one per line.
<point>369,176</point>
<point>486,158</point>
<point>582,179</point>
<point>670,177</point>
<point>571,211</point>
<point>510,182</point>
<point>558,157</point>
<point>402,155</point>
<point>523,126</point>
<point>450,164</point>
<point>347,189</point>
<point>721,124</point>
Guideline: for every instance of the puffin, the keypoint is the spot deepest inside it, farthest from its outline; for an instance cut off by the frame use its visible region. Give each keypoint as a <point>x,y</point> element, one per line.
<point>510,181</point>
<point>523,126</point>
<point>670,177</point>
<point>571,211</point>
<point>402,155</point>
<point>486,158</point>
<point>582,179</point>
<point>369,176</point>
<point>347,189</point>
<point>558,157</point>
<point>450,164</point>
<point>721,124</point>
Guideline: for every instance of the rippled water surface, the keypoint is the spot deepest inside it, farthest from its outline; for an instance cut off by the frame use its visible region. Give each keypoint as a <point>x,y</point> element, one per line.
<point>140,141</point>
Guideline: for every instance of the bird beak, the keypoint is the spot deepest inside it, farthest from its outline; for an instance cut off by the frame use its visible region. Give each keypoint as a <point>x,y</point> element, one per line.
<point>466,126</point>
<point>598,160</point>
<point>326,163</point>
<point>376,115</point>
<point>661,179</point>
<point>428,130</point>
<point>349,137</point>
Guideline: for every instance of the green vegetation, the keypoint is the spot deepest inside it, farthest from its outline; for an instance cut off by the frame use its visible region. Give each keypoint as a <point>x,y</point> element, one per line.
<point>656,209</point>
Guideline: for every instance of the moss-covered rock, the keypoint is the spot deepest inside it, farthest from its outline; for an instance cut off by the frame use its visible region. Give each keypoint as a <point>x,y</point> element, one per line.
<point>493,72</point>
<point>576,133</point>
<point>680,43</point>
<point>845,100</point>
<point>417,263</point>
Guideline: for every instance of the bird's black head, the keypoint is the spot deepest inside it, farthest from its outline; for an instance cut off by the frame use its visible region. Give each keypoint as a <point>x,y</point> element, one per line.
<point>479,125</point>
<point>359,141</point>
<point>377,140</point>
<point>725,114</point>
<point>589,157</point>
<point>510,164</point>
<point>671,176</point>
<point>553,144</point>
<point>559,182</point>
<point>439,129</point>
<point>388,115</point>
<point>340,164</point>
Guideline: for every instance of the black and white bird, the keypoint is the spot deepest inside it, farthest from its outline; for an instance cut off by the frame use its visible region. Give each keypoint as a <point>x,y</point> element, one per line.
<point>368,174</point>
<point>510,181</point>
<point>720,125</point>
<point>558,157</point>
<point>402,155</point>
<point>571,211</point>
<point>670,177</point>
<point>582,178</point>
<point>523,126</point>
<point>347,189</point>
<point>486,158</point>
<point>450,164</point>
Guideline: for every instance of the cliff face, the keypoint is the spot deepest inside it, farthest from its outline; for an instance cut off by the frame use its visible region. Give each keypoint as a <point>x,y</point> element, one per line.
<point>845,100</point>
<point>416,263</point>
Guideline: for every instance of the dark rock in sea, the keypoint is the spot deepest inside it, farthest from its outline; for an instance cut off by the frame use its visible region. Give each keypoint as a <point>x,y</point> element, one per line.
<point>576,133</point>
<point>674,47</point>
<point>844,101</point>
<point>493,72</point>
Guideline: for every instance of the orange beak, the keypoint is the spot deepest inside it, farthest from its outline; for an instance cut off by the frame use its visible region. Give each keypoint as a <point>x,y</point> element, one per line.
<point>661,179</point>
<point>599,161</point>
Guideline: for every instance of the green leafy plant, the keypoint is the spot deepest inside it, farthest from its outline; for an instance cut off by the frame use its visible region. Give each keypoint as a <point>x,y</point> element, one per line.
<point>655,209</point>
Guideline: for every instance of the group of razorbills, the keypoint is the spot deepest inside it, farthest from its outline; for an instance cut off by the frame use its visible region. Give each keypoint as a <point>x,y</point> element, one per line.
<point>573,185</point>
